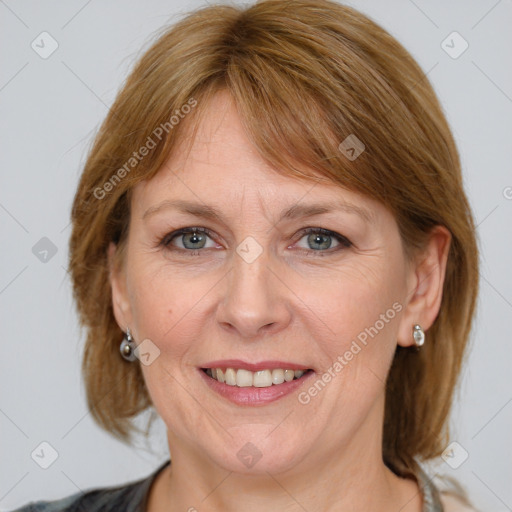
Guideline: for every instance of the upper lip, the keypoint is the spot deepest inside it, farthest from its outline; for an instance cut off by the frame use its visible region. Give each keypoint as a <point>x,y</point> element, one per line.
<point>254,367</point>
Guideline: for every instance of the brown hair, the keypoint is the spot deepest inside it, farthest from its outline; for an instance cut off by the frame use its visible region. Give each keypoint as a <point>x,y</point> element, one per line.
<point>304,76</point>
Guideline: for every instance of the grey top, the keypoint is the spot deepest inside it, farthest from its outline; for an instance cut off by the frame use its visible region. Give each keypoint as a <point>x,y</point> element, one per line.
<point>133,497</point>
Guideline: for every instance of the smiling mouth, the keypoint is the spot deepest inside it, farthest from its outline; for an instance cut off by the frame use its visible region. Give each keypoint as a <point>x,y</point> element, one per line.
<point>261,379</point>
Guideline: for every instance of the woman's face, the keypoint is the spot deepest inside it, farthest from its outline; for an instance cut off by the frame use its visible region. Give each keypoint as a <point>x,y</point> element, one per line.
<point>255,291</point>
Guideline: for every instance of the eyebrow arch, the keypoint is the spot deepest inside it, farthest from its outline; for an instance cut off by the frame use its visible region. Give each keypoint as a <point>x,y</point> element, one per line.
<point>294,212</point>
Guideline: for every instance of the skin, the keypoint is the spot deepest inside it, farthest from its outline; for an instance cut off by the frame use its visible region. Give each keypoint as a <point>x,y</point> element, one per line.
<point>298,301</point>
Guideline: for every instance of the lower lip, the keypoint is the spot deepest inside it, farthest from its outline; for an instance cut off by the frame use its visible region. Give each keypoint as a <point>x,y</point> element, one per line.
<point>255,396</point>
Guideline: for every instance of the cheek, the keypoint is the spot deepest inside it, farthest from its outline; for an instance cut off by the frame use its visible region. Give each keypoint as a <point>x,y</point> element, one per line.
<point>361,309</point>
<point>359,295</point>
<point>359,313</point>
<point>165,304</point>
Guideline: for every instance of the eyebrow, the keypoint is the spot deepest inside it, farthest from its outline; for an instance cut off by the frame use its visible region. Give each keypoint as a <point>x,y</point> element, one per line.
<point>294,212</point>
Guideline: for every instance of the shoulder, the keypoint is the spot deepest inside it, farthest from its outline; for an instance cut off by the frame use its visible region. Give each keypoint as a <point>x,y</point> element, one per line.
<point>444,493</point>
<point>453,503</point>
<point>126,497</point>
<point>130,497</point>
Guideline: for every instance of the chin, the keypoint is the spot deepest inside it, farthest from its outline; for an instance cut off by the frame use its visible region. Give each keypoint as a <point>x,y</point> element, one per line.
<point>255,453</point>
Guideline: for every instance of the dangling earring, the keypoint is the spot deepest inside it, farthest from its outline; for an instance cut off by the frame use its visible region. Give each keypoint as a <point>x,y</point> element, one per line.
<point>419,335</point>
<point>128,346</point>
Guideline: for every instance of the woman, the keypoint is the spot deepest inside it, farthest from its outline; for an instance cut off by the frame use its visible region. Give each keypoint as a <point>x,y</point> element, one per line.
<point>271,245</point>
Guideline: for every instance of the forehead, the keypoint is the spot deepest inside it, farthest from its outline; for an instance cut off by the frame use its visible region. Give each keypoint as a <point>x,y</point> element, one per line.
<point>221,166</point>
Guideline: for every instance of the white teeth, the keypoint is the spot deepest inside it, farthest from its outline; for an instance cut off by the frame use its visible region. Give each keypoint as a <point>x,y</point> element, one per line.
<point>277,376</point>
<point>243,378</point>
<point>230,377</point>
<point>288,375</point>
<point>260,379</point>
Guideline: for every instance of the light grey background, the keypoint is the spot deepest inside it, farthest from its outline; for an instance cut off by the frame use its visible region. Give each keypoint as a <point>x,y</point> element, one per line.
<point>49,110</point>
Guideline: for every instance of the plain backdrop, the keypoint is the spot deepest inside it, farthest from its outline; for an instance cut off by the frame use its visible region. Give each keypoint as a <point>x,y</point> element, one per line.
<point>49,110</point>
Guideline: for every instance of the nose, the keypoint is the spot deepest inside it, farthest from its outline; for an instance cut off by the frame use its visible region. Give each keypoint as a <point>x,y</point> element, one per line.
<point>255,300</point>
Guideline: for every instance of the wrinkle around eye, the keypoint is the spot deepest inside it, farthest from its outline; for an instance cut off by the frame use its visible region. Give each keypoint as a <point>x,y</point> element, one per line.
<point>290,238</point>
<point>340,243</point>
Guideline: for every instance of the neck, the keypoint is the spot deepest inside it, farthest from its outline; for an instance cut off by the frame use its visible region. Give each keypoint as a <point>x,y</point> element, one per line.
<point>337,476</point>
<point>354,479</point>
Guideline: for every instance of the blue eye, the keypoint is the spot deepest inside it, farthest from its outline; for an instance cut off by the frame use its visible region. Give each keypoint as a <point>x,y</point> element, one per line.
<point>319,238</point>
<point>193,239</point>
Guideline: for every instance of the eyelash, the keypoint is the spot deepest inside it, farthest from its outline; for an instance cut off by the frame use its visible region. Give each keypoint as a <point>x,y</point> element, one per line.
<point>344,242</point>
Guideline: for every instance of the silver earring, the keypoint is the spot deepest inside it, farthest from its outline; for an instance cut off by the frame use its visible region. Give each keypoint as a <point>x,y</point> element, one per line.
<point>419,335</point>
<point>128,346</point>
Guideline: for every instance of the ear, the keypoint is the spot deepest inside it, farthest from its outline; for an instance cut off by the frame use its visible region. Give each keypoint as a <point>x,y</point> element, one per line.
<point>120,302</point>
<point>425,285</point>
